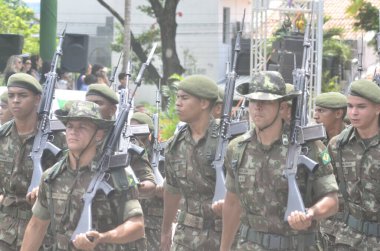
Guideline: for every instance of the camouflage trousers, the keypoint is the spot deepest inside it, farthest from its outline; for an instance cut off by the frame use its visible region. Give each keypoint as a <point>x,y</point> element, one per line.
<point>250,246</point>
<point>193,239</point>
<point>153,237</point>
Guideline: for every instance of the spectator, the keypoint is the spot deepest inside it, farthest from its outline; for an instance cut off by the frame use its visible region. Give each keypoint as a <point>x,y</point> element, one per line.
<point>81,84</point>
<point>14,65</point>
<point>37,63</point>
<point>26,65</point>
<point>101,73</point>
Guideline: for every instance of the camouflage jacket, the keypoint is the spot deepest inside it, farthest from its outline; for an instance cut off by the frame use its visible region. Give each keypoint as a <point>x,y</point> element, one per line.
<point>357,162</point>
<point>67,187</point>
<point>16,168</point>
<point>189,172</point>
<point>255,174</point>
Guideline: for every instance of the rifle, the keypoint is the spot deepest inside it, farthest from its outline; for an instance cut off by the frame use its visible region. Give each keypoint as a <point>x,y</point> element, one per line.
<point>227,129</point>
<point>114,70</point>
<point>300,132</point>
<point>156,156</point>
<point>376,75</point>
<point>123,102</point>
<point>108,160</point>
<point>43,138</point>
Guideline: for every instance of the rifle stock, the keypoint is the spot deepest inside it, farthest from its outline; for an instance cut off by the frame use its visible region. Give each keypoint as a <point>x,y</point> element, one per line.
<point>44,132</point>
<point>98,181</point>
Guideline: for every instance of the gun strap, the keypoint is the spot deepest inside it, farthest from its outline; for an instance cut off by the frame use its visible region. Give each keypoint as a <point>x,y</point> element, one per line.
<point>4,129</point>
<point>53,229</point>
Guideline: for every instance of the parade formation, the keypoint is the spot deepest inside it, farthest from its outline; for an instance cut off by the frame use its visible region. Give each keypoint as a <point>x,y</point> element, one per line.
<point>96,175</point>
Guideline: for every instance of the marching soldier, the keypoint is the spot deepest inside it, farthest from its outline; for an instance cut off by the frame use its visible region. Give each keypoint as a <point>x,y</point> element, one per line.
<point>355,152</point>
<point>189,174</point>
<point>152,207</point>
<point>5,112</point>
<point>105,98</point>
<point>256,188</point>
<point>117,217</point>
<point>16,167</point>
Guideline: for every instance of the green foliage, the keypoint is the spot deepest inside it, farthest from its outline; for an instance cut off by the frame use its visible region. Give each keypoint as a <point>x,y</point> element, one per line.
<point>330,84</point>
<point>17,18</point>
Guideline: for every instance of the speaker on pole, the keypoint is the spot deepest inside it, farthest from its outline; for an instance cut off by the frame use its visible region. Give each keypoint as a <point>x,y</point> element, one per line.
<point>10,44</point>
<point>75,52</point>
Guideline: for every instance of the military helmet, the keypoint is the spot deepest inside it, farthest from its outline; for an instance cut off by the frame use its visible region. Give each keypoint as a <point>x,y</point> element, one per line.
<point>83,110</point>
<point>266,85</point>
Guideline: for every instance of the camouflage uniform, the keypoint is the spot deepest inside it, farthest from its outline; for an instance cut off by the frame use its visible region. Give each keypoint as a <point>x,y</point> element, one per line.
<point>60,196</point>
<point>189,172</point>
<point>358,172</point>
<point>16,168</point>
<point>255,173</point>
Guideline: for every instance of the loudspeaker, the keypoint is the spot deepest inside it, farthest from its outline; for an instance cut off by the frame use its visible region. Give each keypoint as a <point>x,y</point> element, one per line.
<point>10,44</point>
<point>75,50</point>
<point>243,60</point>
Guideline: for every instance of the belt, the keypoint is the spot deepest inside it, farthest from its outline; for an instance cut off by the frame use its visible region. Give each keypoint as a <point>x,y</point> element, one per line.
<point>277,242</point>
<point>364,227</point>
<point>15,212</point>
<point>190,220</point>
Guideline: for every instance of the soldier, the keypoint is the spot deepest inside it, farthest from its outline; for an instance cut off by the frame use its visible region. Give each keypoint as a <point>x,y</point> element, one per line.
<point>152,207</point>
<point>218,107</point>
<point>117,217</point>
<point>16,167</point>
<point>286,113</point>
<point>256,188</point>
<point>355,152</point>
<point>5,112</point>
<point>105,97</point>
<point>330,110</point>
<point>189,174</point>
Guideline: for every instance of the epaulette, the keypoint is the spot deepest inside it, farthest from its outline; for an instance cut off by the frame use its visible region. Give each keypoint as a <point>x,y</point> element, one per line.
<point>55,170</point>
<point>344,136</point>
<point>177,136</point>
<point>4,129</point>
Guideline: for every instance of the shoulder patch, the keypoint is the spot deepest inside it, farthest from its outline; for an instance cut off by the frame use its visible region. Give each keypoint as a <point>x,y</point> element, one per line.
<point>325,157</point>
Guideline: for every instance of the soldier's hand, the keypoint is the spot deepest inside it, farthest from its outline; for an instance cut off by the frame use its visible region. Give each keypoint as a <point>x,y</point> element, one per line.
<point>87,241</point>
<point>300,221</point>
<point>217,207</point>
<point>32,196</point>
<point>159,192</point>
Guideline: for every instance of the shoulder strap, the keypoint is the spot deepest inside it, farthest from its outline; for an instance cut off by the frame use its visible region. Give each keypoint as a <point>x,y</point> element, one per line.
<point>176,137</point>
<point>4,129</point>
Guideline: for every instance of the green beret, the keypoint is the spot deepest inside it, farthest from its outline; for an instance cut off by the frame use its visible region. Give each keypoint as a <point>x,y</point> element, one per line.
<point>199,86</point>
<point>333,100</point>
<point>365,89</point>
<point>220,95</point>
<point>26,81</point>
<point>4,97</point>
<point>104,91</point>
<point>143,118</point>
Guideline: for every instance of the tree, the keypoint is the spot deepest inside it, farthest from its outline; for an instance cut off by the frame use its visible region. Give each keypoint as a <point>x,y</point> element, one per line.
<point>165,13</point>
<point>17,18</point>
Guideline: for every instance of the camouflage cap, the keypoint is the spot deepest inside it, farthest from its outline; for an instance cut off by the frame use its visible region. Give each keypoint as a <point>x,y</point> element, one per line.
<point>104,91</point>
<point>333,100</point>
<point>143,118</point>
<point>199,86</point>
<point>365,89</point>
<point>289,89</point>
<point>4,97</point>
<point>266,85</point>
<point>83,110</point>
<point>220,95</point>
<point>26,81</point>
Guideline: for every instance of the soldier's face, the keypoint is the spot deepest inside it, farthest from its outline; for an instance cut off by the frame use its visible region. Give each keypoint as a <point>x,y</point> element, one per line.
<point>79,133</point>
<point>189,107</point>
<point>5,113</point>
<point>22,102</point>
<point>362,113</point>
<point>263,112</point>
<point>325,116</point>
<point>106,108</point>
